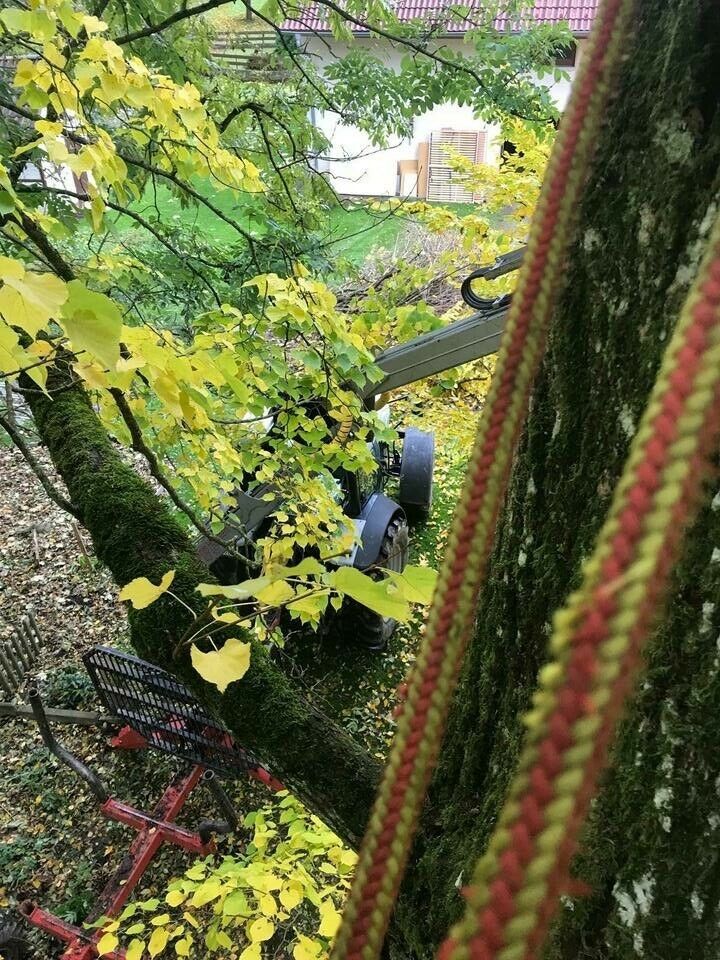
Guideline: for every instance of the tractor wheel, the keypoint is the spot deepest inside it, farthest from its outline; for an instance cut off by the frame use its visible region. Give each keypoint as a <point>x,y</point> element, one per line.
<point>359,624</point>
<point>415,491</point>
<point>13,944</point>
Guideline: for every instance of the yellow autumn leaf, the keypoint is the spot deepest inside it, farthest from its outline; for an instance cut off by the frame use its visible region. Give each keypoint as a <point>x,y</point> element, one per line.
<point>224,666</point>
<point>158,941</point>
<point>29,299</point>
<point>267,905</point>
<point>106,944</point>
<point>210,890</point>
<point>329,919</point>
<point>141,592</point>
<point>260,930</point>
<point>291,895</point>
<point>277,593</point>
<point>174,898</point>
<point>182,947</point>
<point>93,322</point>
<point>253,952</point>
<point>135,950</point>
<point>306,949</point>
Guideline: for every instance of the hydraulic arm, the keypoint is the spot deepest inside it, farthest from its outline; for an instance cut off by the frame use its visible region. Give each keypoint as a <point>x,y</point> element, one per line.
<point>457,343</point>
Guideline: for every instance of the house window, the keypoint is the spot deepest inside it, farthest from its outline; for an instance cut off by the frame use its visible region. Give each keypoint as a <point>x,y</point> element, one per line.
<point>566,57</point>
<point>442,183</point>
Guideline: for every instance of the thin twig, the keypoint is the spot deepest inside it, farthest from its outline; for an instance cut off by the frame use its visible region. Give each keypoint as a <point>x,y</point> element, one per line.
<point>37,469</point>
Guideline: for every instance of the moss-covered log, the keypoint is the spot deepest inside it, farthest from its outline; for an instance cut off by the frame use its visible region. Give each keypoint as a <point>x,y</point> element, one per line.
<point>651,854</point>
<point>135,534</point>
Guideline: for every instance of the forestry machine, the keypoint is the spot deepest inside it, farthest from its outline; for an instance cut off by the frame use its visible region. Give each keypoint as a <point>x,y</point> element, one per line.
<point>381,523</point>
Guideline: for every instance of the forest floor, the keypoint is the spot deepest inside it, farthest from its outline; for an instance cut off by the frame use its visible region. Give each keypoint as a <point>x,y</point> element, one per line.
<point>55,846</point>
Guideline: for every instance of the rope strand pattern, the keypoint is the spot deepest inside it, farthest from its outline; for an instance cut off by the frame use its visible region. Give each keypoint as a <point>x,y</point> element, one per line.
<point>421,721</point>
<point>597,643</point>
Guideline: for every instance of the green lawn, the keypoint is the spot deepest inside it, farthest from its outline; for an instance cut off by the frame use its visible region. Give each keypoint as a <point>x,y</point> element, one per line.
<point>354,229</point>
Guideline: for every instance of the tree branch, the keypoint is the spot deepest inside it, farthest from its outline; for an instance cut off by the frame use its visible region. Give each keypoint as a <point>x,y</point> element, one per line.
<point>61,267</point>
<point>12,431</point>
<point>176,17</point>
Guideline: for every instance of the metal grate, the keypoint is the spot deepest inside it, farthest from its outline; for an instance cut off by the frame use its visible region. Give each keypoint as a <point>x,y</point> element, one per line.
<point>163,711</point>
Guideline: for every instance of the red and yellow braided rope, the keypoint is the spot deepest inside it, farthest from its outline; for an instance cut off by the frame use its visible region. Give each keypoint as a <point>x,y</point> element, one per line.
<point>422,718</point>
<point>597,641</point>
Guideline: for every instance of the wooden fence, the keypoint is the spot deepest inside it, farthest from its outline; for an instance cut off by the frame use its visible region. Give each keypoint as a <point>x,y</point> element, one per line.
<point>245,52</point>
<point>18,653</point>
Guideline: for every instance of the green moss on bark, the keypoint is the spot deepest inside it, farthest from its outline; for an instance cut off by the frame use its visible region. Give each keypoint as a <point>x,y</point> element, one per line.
<point>651,851</point>
<point>134,535</point>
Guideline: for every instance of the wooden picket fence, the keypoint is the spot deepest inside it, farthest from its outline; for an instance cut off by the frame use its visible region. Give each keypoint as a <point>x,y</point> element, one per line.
<point>18,653</point>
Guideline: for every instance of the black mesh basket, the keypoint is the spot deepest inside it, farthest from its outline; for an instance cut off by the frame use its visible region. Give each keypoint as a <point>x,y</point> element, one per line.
<point>163,711</point>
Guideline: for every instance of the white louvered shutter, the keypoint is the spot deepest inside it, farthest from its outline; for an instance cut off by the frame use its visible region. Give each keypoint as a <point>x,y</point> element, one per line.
<point>441,184</point>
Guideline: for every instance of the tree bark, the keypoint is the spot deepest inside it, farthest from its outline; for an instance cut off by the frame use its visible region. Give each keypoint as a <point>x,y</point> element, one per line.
<point>650,853</point>
<point>134,534</point>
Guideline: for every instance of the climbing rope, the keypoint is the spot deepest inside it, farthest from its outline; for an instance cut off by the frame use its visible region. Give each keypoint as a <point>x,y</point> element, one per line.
<point>421,721</point>
<point>597,642</point>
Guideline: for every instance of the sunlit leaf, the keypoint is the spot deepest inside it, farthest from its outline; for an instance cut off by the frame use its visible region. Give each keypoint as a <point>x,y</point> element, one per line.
<point>106,944</point>
<point>141,592</point>
<point>92,322</point>
<point>329,919</point>
<point>135,950</point>
<point>416,584</point>
<point>158,941</point>
<point>374,594</point>
<point>222,667</point>
<point>260,930</point>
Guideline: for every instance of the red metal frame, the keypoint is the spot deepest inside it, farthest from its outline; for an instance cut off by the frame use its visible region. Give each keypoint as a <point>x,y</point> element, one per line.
<point>154,829</point>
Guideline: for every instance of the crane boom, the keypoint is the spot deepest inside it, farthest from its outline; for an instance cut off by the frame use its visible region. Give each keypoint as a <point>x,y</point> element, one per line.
<point>457,343</point>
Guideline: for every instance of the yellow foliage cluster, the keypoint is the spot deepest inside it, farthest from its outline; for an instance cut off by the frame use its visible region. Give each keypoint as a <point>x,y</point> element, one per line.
<point>287,886</point>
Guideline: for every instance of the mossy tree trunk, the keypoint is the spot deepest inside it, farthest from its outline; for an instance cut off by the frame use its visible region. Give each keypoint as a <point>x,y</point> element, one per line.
<point>651,853</point>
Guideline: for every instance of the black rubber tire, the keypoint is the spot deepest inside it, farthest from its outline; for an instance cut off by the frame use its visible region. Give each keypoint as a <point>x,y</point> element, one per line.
<point>358,624</point>
<point>13,943</point>
<point>415,487</point>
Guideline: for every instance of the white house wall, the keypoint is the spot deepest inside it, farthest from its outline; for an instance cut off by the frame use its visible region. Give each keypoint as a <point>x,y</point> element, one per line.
<point>357,167</point>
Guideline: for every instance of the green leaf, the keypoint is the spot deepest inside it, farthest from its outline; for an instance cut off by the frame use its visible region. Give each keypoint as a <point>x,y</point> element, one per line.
<point>235,905</point>
<point>222,667</point>
<point>415,584</point>
<point>93,322</point>
<point>7,204</point>
<point>370,593</point>
<point>141,592</point>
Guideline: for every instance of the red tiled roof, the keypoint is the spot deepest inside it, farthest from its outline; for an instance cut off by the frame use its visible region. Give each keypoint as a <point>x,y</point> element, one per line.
<point>578,13</point>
